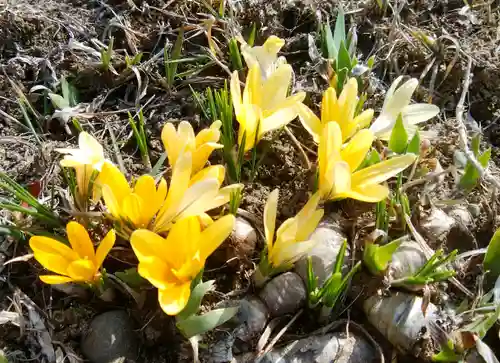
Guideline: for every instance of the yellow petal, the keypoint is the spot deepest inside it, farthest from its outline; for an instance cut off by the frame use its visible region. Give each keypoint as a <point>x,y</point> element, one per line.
<point>210,201</point>
<point>307,228</point>
<point>201,155</point>
<point>183,240</point>
<point>347,105</point>
<point>249,119</point>
<point>212,172</point>
<point>355,151</point>
<point>213,236</point>
<point>370,193</point>
<point>54,263</point>
<point>309,208</point>
<point>341,177</point>
<point>82,270</point>
<point>328,154</point>
<point>90,145</point>
<point>112,176</point>
<point>198,198</point>
<point>147,244</point>
<point>83,177</point>
<point>364,118</point>
<point>51,246</point>
<point>151,200</point>
<point>171,143</point>
<point>275,88</point>
<point>309,120</point>
<point>270,217</point>
<point>157,272</point>
<point>104,247</point>
<point>80,240</point>
<point>55,279</point>
<point>132,208</point>
<point>252,94</point>
<point>273,44</point>
<point>235,92</point>
<point>291,253</point>
<point>211,134</point>
<point>329,107</point>
<point>174,298</point>
<point>382,171</point>
<point>111,202</point>
<point>179,183</point>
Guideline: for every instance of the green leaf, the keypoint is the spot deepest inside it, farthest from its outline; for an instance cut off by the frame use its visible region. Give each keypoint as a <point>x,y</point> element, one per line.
<point>329,43</point>
<point>344,59</point>
<point>339,35</point>
<point>58,101</point>
<point>131,277</point>
<point>339,261</point>
<point>475,143</point>
<point>414,145</point>
<point>195,298</point>
<point>251,37</point>
<point>491,260</point>
<point>483,324</point>
<point>471,175</point>
<point>3,358</point>
<point>235,55</point>
<point>200,324</point>
<point>376,258</point>
<point>447,353</point>
<point>399,137</point>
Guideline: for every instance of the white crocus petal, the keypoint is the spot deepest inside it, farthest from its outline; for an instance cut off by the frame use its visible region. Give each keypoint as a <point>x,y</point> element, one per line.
<point>420,112</point>
<point>292,252</point>
<point>382,124</point>
<point>391,91</point>
<point>400,98</point>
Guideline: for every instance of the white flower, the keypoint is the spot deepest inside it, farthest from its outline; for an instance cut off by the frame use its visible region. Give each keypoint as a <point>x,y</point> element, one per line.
<point>397,100</point>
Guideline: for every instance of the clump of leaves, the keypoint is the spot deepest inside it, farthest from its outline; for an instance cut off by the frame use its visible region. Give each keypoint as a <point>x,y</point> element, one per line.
<point>434,270</point>
<point>333,287</point>
<point>140,137</point>
<point>171,59</point>
<point>376,257</point>
<point>339,48</point>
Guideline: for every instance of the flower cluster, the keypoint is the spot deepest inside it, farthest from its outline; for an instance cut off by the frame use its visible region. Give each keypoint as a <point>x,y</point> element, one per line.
<point>167,223</point>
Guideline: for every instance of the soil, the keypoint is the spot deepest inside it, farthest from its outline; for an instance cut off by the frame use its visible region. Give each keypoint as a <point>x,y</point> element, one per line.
<point>37,48</point>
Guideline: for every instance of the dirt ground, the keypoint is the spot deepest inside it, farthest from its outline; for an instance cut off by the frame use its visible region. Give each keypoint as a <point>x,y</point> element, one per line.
<point>37,48</point>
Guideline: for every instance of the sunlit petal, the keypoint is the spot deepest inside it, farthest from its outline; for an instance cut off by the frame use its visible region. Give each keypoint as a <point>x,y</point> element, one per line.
<point>355,151</point>
<point>372,193</point>
<point>80,240</point>
<point>146,244</point>
<point>275,88</point>
<point>104,247</point>
<point>174,298</point>
<point>382,171</point>
<point>329,107</point>
<point>54,263</point>
<point>157,272</point>
<point>216,233</point>
<point>341,177</point>
<point>418,113</point>
<point>112,176</point>
<point>270,217</point>
<point>309,225</point>
<point>401,98</point>
<point>310,121</point>
<point>82,270</point>
<point>55,279</point>
<point>235,92</point>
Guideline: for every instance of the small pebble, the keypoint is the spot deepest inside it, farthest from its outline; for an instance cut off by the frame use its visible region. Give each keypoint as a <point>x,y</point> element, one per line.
<point>110,338</point>
<point>284,294</point>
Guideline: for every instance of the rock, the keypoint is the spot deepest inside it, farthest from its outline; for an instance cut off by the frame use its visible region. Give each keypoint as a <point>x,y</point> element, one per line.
<point>110,338</point>
<point>399,318</point>
<point>437,225</point>
<point>333,347</point>
<point>284,294</point>
<point>462,216</point>
<point>329,239</point>
<point>252,318</point>
<point>242,240</point>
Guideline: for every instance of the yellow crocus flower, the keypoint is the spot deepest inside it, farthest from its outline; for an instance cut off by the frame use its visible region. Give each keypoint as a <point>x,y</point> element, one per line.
<point>265,105</point>
<point>192,196</point>
<point>78,263</point>
<point>338,177</point>
<point>171,263</point>
<point>265,56</point>
<point>135,206</point>
<point>291,240</point>
<point>341,110</point>
<point>184,140</point>
<point>87,158</point>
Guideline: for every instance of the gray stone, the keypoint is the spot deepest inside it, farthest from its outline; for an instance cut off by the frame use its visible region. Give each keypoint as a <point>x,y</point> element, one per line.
<point>329,239</point>
<point>329,348</point>
<point>437,225</point>
<point>110,338</point>
<point>252,318</point>
<point>284,294</point>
